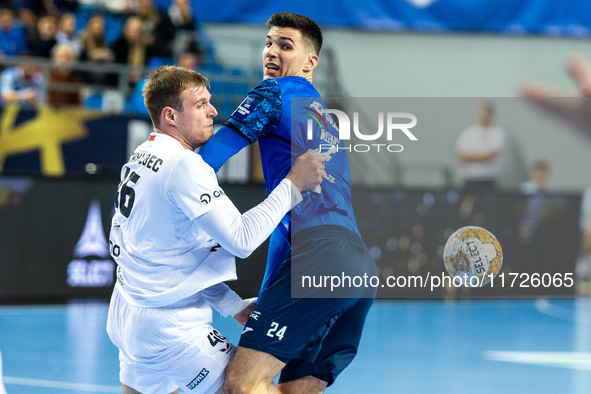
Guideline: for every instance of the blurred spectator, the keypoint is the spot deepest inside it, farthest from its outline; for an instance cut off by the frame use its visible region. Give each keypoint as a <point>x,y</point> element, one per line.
<point>96,50</point>
<point>63,57</point>
<point>181,15</point>
<point>94,46</point>
<point>119,6</point>
<point>45,41</point>
<point>135,102</point>
<point>158,25</point>
<point>66,33</point>
<point>27,13</point>
<point>22,84</point>
<point>131,47</point>
<point>538,179</point>
<point>186,38</point>
<point>30,10</point>
<point>189,60</point>
<point>478,149</point>
<point>13,40</point>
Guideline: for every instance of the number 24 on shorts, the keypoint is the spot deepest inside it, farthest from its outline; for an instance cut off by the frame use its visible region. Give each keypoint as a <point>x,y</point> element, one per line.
<point>274,333</point>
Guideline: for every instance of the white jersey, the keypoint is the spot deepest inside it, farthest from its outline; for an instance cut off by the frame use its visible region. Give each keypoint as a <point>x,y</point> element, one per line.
<point>162,255</point>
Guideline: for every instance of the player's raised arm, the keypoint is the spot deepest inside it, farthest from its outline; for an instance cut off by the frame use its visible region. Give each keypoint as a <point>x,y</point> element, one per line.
<point>242,234</point>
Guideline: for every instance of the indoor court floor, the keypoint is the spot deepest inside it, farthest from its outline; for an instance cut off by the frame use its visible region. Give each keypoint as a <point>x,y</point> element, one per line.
<point>413,346</point>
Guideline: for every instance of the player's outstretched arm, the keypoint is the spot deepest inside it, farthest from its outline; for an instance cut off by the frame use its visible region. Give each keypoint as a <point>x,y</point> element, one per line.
<point>242,234</point>
<point>225,143</point>
<point>574,109</point>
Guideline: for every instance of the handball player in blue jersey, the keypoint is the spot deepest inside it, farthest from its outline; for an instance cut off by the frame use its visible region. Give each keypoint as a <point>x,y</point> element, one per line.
<point>310,339</point>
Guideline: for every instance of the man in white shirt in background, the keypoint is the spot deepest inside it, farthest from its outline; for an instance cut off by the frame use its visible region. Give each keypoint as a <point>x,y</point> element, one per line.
<point>174,236</point>
<point>478,149</point>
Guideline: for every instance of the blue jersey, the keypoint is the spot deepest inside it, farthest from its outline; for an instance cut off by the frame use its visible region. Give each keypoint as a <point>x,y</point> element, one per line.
<point>267,116</point>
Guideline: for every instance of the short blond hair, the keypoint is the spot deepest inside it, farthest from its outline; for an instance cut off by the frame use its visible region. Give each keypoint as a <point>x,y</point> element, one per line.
<point>165,86</point>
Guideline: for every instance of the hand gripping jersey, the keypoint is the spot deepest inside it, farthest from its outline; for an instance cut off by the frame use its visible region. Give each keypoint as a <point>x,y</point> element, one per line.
<point>162,256</point>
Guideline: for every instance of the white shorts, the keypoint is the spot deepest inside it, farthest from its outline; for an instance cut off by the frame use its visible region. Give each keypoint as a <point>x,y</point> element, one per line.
<point>162,349</point>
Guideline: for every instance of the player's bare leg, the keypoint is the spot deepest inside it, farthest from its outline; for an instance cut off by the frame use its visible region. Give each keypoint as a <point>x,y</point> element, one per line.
<point>308,385</point>
<point>129,390</point>
<point>252,372</point>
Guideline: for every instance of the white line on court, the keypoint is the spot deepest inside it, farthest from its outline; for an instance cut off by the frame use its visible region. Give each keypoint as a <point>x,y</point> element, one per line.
<point>96,388</point>
<point>53,309</point>
<point>570,360</point>
<point>545,307</point>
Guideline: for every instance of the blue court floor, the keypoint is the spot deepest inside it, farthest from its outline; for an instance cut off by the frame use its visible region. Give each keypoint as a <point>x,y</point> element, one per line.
<point>478,346</point>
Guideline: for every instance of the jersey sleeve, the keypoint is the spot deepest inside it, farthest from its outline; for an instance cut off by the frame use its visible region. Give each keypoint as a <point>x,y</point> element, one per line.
<point>225,143</point>
<point>193,186</point>
<point>260,112</point>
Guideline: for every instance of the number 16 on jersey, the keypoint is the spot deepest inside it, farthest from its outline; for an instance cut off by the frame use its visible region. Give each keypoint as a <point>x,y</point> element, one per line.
<point>125,195</point>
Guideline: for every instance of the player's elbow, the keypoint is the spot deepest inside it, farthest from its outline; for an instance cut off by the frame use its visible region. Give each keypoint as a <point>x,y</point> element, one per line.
<point>243,253</point>
<point>240,251</point>
<point>243,244</point>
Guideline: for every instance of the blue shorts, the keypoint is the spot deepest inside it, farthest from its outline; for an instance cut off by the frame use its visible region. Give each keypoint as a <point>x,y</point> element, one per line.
<point>315,336</point>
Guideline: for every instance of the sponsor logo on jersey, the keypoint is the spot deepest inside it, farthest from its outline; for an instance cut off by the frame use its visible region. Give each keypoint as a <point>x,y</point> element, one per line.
<point>198,379</point>
<point>247,329</point>
<point>255,315</point>
<point>206,198</point>
<point>330,178</point>
<point>244,109</point>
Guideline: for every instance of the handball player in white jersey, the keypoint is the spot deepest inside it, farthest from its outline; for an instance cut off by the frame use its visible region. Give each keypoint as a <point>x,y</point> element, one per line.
<point>174,236</point>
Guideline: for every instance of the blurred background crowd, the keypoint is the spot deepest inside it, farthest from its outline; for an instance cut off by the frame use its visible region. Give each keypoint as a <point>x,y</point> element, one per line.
<point>96,53</point>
